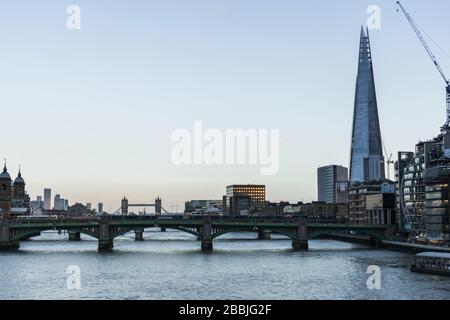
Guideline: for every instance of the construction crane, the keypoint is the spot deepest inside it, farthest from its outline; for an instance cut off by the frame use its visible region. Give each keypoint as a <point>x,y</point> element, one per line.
<point>389,160</point>
<point>436,63</point>
<point>389,163</point>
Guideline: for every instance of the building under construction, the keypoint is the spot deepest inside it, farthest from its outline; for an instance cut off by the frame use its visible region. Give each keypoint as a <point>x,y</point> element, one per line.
<point>423,177</point>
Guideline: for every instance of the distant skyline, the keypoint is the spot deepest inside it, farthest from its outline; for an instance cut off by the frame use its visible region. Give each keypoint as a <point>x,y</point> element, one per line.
<point>90,113</point>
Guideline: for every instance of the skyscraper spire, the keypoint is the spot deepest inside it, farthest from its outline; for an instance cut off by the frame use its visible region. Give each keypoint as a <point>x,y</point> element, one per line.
<point>366,160</point>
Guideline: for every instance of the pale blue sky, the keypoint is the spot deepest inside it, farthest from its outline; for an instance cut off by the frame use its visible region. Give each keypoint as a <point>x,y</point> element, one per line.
<point>89,113</point>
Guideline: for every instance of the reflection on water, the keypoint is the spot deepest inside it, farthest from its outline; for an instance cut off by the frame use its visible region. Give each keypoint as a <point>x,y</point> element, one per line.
<point>170,265</point>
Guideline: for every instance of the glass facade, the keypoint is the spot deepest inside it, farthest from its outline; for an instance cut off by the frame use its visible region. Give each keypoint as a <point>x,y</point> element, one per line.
<point>332,184</point>
<point>437,208</point>
<point>366,160</point>
<point>423,178</point>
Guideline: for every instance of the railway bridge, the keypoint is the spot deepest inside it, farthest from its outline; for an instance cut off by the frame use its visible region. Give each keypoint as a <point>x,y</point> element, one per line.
<point>205,228</point>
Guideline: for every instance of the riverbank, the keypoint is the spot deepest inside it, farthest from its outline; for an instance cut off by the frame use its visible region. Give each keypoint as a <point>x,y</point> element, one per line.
<point>412,247</point>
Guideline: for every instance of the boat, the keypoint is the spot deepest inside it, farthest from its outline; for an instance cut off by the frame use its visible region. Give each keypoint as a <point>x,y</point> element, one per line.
<point>432,263</point>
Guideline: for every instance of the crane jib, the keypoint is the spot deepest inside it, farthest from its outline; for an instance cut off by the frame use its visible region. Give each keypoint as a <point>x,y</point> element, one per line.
<point>433,58</point>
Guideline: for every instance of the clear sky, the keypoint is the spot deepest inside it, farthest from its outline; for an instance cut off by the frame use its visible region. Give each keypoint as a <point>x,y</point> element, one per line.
<point>90,113</point>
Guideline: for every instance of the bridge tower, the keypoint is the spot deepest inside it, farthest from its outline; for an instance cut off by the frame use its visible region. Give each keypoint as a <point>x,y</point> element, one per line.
<point>5,194</point>
<point>124,206</point>
<point>158,205</point>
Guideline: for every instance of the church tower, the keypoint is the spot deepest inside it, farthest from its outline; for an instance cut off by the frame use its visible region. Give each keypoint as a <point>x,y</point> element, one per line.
<point>5,194</point>
<point>19,186</point>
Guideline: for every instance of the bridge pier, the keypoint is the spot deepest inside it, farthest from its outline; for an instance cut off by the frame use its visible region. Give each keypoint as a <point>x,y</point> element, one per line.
<point>105,242</point>
<point>377,243</point>
<point>139,234</point>
<point>163,229</point>
<point>9,245</point>
<point>207,241</point>
<point>300,243</point>
<point>264,234</point>
<point>5,242</point>
<point>74,236</point>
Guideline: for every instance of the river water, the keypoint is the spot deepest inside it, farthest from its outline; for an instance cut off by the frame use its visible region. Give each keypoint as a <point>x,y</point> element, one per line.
<point>170,265</point>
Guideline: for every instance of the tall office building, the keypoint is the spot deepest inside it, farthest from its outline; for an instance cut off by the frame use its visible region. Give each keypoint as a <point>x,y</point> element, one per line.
<point>60,203</point>
<point>367,160</point>
<point>47,199</point>
<point>331,184</point>
<point>100,208</point>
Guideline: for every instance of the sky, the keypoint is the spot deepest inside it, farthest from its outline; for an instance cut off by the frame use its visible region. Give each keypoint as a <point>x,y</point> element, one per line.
<point>90,112</point>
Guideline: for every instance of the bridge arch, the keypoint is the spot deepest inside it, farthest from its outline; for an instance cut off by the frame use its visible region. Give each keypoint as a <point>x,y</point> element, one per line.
<point>19,236</point>
<point>129,229</point>
<point>275,231</point>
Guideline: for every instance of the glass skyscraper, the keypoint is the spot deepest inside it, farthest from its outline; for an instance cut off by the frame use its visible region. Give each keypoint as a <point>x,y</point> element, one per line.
<point>331,184</point>
<point>366,160</point>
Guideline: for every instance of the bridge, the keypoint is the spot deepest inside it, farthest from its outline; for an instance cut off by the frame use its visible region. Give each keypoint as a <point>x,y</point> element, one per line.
<point>205,228</point>
<point>125,205</point>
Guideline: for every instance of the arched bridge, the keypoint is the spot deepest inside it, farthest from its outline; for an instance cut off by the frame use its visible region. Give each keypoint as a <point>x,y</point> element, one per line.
<point>205,228</point>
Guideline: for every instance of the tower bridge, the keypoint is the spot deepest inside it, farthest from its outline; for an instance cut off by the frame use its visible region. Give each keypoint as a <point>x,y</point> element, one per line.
<point>125,205</point>
<point>205,229</point>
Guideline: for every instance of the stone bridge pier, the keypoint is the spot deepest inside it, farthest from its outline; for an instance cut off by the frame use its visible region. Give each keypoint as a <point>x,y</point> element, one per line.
<point>139,234</point>
<point>264,234</point>
<point>5,243</point>
<point>74,236</point>
<point>105,240</point>
<point>300,242</point>
<point>206,235</point>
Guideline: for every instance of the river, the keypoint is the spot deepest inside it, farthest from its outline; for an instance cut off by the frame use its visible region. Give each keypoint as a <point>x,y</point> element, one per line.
<point>170,265</point>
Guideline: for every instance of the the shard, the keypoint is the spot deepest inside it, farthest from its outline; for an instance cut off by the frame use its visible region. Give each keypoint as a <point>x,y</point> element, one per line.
<point>366,160</point>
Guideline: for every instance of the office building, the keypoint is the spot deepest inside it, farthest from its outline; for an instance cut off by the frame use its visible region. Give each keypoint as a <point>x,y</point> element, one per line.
<point>319,210</point>
<point>422,189</point>
<point>203,206</point>
<point>367,160</point>
<point>47,199</point>
<point>357,199</point>
<point>332,184</point>
<point>381,208</point>
<point>60,203</point>
<point>242,199</point>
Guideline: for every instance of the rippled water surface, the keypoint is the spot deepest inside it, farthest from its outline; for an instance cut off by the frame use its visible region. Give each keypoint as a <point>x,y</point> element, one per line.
<point>170,265</point>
